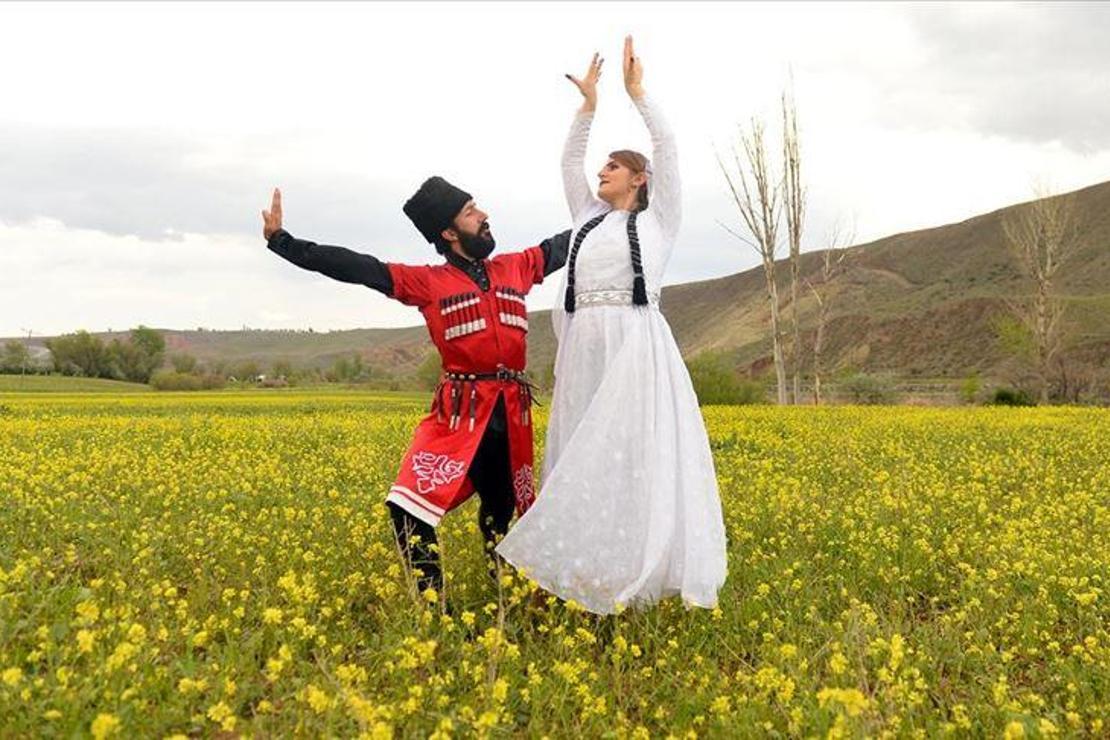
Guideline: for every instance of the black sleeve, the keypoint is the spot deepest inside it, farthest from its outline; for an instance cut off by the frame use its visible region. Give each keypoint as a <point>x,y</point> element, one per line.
<point>555,251</point>
<point>338,263</point>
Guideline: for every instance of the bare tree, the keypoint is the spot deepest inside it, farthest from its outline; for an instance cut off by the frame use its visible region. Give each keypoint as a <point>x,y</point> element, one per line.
<point>1042,236</point>
<point>756,193</point>
<point>26,354</point>
<point>832,266</point>
<point>794,205</point>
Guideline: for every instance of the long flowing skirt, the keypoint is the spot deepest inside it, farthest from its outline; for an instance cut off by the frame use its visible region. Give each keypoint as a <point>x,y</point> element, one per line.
<point>628,511</point>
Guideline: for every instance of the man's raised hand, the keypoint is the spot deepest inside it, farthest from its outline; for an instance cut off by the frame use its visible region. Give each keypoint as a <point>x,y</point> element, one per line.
<point>588,84</point>
<point>271,219</point>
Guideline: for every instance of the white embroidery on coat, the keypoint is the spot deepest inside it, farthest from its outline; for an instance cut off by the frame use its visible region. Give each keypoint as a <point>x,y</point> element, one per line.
<point>433,470</point>
<point>524,486</point>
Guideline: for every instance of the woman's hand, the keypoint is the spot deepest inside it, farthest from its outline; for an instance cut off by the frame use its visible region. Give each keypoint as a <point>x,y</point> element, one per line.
<point>633,71</point>
<point>271,219</point>
<point>588,84</point>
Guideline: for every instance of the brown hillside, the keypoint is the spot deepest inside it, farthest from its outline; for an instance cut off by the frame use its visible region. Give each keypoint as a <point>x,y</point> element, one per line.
<point>919,303</point>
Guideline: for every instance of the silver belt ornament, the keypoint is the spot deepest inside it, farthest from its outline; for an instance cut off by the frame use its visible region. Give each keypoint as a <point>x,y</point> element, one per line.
<point>614,297</point>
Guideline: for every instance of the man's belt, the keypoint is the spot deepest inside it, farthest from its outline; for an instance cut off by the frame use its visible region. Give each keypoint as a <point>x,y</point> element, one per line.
<point>503,374</point>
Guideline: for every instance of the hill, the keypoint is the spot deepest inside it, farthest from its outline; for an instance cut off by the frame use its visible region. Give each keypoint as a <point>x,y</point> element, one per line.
<point>916,304</point>
<point>919,303</point>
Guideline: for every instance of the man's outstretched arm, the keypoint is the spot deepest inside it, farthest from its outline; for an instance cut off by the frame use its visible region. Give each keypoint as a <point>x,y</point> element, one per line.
<point>338,263</point>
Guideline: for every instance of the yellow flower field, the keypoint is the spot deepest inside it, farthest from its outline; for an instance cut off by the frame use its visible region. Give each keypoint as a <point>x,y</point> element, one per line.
<point>221,564</point>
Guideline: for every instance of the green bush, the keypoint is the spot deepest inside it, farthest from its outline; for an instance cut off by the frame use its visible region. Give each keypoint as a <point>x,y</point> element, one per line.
<point>1012,397</point>
<point>171,380</point>
<point>716,383</point>
<point>969,389</point>
<point>183,362</point>
<point>87,355</point>
<point>15,358</point>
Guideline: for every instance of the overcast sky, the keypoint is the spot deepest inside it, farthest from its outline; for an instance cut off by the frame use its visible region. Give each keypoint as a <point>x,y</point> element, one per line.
<point>140,142</point>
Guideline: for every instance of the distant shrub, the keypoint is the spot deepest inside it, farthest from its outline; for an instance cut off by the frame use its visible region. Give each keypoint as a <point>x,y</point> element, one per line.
<point>183,362</point>
<point>716,383</point>
<point>171,380</point>
<point>1012,397</point>
<point>969,389</point>
<point>867,389</point>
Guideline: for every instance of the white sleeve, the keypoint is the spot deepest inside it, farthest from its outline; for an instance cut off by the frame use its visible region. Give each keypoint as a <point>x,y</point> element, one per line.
<point>666,187</point>
<point>580,198</point>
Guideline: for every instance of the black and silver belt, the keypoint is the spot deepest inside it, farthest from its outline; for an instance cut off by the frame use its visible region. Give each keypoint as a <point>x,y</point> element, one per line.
<point>503,374</point>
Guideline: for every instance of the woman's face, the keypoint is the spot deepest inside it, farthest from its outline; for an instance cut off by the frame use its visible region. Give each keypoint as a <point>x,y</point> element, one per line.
<point>616,182</point>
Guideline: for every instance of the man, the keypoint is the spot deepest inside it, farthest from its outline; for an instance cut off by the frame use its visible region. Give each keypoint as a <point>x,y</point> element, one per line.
<point>478,434</point>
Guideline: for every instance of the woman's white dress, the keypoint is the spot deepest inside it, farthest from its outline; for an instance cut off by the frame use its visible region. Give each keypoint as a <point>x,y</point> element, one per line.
<point>628,510</point>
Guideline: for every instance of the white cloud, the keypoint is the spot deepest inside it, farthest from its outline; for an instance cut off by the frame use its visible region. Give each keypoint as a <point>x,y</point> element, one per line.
<point>80,278</point>
<point>150,135</point>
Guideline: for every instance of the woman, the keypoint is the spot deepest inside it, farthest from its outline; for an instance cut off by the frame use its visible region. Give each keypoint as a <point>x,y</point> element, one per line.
<point>628,511</point>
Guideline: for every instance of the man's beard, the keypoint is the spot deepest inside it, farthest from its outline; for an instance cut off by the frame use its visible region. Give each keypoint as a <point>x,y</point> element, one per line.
<point>478,246</point>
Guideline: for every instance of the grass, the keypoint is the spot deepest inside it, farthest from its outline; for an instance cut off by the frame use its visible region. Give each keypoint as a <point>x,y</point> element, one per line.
<point>209,564</point>
<point>66,384</point>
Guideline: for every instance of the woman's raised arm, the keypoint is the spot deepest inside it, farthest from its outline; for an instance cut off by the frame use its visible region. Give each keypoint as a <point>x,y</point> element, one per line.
<point>576,186</point>
<point>666,188</point>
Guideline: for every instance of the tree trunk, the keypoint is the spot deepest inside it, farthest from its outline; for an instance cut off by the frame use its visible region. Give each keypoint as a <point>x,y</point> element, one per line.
<point>795,341</point>
<point>1043,357</point>
<point>776,336</point>
<point>794,205</point>
<point>818,345</point>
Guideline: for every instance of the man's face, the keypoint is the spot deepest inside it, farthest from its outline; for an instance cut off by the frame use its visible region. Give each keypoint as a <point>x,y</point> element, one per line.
<point>472,220</point>
<point>471,229</point>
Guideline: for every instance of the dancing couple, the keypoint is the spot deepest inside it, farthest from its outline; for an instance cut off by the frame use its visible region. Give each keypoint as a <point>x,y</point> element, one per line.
<point>628,511</point>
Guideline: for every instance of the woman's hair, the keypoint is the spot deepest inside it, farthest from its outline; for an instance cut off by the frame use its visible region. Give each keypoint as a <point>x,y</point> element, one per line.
<point>636,162</point>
